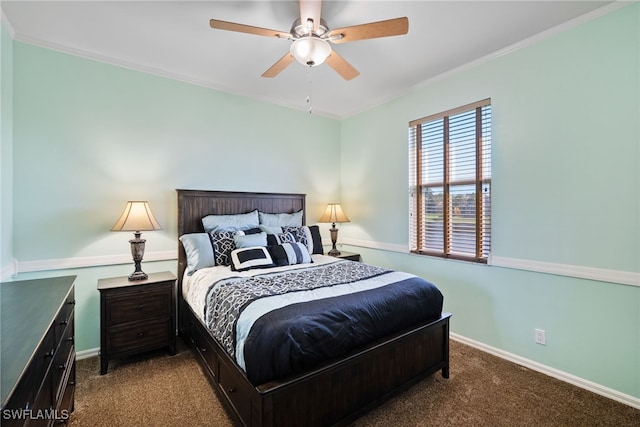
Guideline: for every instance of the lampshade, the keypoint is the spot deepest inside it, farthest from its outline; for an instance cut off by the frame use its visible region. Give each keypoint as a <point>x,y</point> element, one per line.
<point>137,216</point>
<point>310,50</point>
<point>333,214</point>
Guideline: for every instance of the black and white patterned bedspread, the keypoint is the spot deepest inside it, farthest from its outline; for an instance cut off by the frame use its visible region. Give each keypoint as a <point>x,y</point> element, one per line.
<point>277,324</point>
<point>227,298</point>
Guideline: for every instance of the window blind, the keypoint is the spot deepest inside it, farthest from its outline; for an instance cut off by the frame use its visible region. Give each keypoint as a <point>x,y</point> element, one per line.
<point>450,183</point>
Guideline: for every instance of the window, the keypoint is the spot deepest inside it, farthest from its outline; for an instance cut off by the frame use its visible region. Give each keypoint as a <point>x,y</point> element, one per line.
<point>450,183</point>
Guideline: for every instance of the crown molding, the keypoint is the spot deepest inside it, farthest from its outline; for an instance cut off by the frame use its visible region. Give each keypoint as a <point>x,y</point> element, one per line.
<point>589,16</point>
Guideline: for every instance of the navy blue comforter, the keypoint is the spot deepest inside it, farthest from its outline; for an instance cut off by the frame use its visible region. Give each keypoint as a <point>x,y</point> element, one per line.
<point>295,338</point>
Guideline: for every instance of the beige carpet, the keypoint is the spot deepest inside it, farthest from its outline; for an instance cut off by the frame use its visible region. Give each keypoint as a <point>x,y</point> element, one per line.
<point>483,390</point>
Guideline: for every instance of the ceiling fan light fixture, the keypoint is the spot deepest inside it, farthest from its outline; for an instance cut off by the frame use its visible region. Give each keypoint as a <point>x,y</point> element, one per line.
<point>310,50</point>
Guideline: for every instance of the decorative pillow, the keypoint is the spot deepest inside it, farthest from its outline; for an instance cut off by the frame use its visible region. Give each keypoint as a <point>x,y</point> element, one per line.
<point>199,251</point>
<point>302,235</point>
<point>252,257</point>
<point>280,219</point>
<point>278,239</point>
<point>317,240</point>
<point>215,223</point>
<point>248,240</point>
<point>223,243</point>
<point>290,254</point>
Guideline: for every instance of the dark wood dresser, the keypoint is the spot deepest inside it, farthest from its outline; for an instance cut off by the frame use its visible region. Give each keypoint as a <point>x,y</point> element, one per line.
<point>136,316</point>
<point>38,356</point>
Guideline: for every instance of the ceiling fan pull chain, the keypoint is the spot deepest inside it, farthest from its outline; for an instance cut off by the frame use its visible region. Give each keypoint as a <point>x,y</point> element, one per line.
<point>310,108</point>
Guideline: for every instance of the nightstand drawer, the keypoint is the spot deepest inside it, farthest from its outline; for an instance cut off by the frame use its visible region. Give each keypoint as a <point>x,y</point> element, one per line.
<point>141,336</point>
<point>129,306</point>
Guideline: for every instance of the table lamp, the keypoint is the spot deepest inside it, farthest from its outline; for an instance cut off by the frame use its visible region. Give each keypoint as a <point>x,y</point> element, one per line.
<point>333,213</point>
<point>137,217</point>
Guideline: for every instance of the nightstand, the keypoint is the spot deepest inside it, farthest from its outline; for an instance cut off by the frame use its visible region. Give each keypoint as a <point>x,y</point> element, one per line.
<point>348,255</point>
<point>136,316</point>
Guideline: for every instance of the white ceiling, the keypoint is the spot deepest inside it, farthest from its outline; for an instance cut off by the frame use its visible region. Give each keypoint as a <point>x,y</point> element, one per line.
<point>173,38</point>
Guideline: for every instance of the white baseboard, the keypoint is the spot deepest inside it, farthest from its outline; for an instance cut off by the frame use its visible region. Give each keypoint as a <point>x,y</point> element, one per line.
<point>85,354</point>
<point>552,372</point>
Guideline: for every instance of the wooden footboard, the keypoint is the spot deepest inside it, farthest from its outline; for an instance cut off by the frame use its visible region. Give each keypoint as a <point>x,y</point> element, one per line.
<point>333,394</point>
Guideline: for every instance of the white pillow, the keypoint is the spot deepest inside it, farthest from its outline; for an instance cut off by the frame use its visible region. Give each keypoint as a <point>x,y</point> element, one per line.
<point>252,257</point>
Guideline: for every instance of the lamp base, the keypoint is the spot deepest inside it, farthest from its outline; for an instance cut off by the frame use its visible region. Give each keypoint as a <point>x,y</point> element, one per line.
<point>334,238</point>
<point>138,275</point>
<point>137,251</point>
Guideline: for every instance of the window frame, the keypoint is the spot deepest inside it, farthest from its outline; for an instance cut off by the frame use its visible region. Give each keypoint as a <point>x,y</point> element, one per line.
<point>482,212</point>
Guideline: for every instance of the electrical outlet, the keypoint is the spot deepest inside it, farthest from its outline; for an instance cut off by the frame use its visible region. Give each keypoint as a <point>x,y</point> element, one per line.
<point>541,337</point>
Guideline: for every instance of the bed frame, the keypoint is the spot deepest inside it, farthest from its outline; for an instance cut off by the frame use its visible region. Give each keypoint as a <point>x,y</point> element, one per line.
<point>335,393</point>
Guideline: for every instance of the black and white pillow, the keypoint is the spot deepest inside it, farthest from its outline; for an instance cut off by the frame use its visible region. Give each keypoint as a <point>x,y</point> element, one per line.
<point>280,238</point>
<point>317,240</point>
<point>251,257</point>
<point>308,236</point>
<point>223,243</point>
<point>290,254</point>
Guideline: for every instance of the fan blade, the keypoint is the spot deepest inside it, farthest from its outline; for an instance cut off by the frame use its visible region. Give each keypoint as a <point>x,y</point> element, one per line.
<point>280,65</point>
<point>372,30</point>
<point>310,9</point>
<point>341,66</point>
<point>241,28</point>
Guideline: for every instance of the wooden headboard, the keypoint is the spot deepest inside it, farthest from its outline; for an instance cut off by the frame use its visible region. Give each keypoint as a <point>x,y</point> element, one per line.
<point>193,205</point>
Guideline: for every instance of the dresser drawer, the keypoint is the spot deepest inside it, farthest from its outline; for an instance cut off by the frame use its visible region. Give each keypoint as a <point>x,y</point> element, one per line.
<point>137,337</point>
<point>64,316</point>
<point>141,303</point>
<point>205,349</point>
<point>231,385</point>
<point>63,359</point>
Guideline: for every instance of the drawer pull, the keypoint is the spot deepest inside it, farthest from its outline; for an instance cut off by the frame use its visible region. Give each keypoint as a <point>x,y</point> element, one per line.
<point>203,349</point>
<point>61,367</point>
<point>64,322</point>
<point>140,306</point>
<point>50,353</point>
<point>72,302</point>
<point>232,389</point>
<point>140,334</point>
<point>70,339</point>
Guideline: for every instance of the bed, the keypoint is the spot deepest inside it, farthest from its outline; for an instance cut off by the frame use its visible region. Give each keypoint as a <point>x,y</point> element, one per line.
<point>331,391</point>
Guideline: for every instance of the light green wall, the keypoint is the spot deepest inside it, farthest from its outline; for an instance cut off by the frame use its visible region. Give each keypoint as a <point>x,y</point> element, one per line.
<point>88,136</point>
<point>566,190</point>
<point>106,134</point>
<point>6,149</point>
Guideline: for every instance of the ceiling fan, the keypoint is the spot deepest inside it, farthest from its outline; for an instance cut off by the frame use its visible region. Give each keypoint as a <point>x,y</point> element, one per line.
<point>311,36</point>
